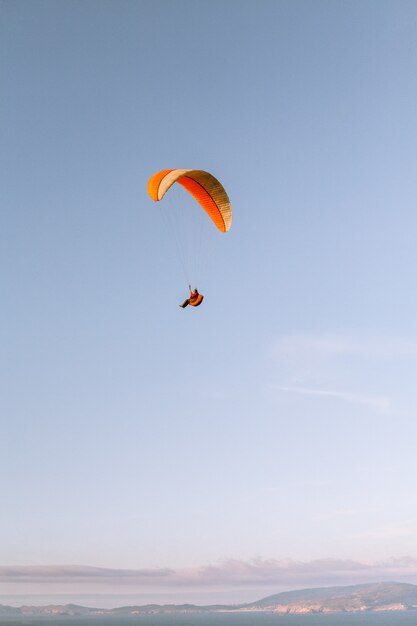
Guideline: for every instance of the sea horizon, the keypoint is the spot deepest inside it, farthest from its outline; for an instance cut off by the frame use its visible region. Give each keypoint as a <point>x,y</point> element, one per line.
<point>383,618</point>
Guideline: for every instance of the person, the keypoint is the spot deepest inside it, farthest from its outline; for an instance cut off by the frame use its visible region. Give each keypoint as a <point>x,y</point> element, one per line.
<point>195,298</point>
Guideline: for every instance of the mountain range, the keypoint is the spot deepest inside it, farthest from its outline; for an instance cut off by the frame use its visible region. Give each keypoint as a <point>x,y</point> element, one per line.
<point>386,596</point>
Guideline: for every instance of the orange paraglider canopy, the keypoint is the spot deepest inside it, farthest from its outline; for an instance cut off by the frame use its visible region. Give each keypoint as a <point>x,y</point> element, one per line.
<point>206,189</point>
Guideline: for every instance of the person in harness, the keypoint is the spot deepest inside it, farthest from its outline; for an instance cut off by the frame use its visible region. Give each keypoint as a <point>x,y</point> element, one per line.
<point>195,299</point>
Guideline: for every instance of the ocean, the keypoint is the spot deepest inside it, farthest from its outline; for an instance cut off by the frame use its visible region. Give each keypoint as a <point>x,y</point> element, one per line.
<point>399,618</point>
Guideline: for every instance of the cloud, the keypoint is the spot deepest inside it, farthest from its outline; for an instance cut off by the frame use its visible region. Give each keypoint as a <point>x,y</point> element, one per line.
<point>342,513</point>
<point>254,574</point>
<point>406,528</point>
<point>71,573</point>
<point>330,345</point>
<point>379,403</point>
<point>368,370</point>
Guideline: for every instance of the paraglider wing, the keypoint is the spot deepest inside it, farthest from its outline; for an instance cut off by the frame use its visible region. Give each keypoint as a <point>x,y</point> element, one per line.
<point>205,188</point>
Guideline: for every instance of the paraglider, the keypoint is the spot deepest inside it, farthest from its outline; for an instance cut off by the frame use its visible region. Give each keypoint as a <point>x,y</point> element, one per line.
<point>209,194</point>
<point>195,298</point>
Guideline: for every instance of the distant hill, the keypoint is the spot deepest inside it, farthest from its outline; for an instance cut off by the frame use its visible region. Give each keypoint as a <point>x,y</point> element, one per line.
<point>387,596</point>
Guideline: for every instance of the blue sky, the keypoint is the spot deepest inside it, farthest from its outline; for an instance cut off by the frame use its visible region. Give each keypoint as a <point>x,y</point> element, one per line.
<point>277,421</point>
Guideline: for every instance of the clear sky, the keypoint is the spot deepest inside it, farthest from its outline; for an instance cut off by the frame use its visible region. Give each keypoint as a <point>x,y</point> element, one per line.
<point>274,428</point>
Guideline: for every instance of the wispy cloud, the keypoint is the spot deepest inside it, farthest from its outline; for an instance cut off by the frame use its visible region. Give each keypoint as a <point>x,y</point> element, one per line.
<point>336,514</point>
<point>380,403</point>
<point>359,369</point>
<point>328,345</point>
<point>70,573</point>
<point>404,528</point>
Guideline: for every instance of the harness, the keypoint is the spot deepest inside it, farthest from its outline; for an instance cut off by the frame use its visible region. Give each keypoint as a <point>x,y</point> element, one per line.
<point>196,300</point>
